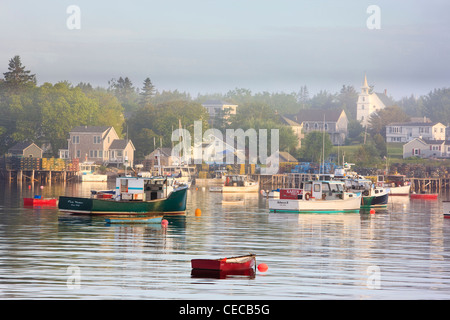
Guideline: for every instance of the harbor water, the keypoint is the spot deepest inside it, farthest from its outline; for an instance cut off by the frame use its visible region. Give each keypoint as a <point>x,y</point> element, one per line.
<point>401,252</point>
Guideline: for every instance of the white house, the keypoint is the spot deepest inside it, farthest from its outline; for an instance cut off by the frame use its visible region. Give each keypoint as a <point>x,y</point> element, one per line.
<point>369,103</point>
<point>99,144</point>
<point>407,131</point>
<point>424,148</point>
<point>219,108</point>
<point>215,149</point>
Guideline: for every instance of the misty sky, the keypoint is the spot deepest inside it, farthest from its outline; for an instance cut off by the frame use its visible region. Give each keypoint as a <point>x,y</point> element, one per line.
<point>207,46</point>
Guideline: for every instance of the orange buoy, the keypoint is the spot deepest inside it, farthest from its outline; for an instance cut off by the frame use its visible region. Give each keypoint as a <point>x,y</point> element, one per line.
<point>198,212</point>
<point>164,223</point>
<point>262,267</point>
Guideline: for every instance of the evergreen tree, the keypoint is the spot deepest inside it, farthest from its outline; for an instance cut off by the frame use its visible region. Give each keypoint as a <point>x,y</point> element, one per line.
<point>17,78</point>
<point>148,91</point>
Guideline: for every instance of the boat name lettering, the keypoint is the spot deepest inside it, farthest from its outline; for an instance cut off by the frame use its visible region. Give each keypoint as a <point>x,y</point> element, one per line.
<point>75,203</point>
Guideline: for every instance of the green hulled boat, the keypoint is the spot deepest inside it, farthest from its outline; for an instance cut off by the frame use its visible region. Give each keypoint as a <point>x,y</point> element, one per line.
<point>133,196</point>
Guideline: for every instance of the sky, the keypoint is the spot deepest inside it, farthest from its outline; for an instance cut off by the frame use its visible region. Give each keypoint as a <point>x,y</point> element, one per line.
<point>212,46</point>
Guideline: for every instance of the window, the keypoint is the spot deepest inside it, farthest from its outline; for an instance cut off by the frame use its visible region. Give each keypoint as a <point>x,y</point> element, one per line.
<point>326,126</point>
<point>97,139</point>
<point>100,153</point>
<point>75,139</point>
<point>78,153</point>
<point>362,107</point>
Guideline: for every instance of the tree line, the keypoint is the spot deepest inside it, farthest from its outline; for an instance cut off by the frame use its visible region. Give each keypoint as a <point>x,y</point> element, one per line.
<point>45,114</point>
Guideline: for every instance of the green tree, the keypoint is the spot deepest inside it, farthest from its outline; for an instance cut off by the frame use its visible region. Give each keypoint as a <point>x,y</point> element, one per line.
<point>316,146</point>
<point>379,120</point>
<point>347,99</point>
<point>125,92</point>
<point>17,77</point>
<point>147,92</point>
<point>159,121</point>
<point>436,105</point>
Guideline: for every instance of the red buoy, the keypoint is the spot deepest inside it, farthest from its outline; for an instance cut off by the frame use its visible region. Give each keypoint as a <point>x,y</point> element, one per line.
<point>164,223</point>
<point>262,267</point>
<point>372,211</point>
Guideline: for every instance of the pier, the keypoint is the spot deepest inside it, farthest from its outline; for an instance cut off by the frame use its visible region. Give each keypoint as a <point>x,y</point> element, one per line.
<point>40,170</point>
<point>294,180</point>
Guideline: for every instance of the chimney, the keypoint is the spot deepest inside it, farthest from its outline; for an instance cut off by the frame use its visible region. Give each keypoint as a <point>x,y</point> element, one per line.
<point>385,92</point>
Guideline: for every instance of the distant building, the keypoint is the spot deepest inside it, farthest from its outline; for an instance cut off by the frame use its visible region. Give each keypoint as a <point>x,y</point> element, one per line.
<point>297,128</point>
<point>164,155</point>
<point>368,103</point>
<point>218,109</point>
<point>424,148</point>
<point>334,122</point>
<point>26,150</point>
<point>407,131</point>
<point>98,144</point>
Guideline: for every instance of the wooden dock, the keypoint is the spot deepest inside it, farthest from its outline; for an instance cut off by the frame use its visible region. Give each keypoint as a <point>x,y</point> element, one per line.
<point>41,170</point>
<point>294,180</point>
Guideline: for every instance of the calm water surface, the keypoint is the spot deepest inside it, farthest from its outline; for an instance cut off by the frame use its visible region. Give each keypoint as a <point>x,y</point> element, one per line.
<point>398,253</point>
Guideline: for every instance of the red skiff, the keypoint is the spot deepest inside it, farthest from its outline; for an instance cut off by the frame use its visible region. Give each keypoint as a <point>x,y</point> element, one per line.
<point>225,264</point>
<point>40,202</point>
<point>425,196</point>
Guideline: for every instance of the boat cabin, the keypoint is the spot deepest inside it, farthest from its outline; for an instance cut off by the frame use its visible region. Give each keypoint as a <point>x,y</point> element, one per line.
<point>395,180</point>
<point>325,190</point>
<point>143,189</point>
<point>237,181</point>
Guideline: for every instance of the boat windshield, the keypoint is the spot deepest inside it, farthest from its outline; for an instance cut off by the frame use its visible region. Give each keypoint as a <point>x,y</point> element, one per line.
<point>337,187</point>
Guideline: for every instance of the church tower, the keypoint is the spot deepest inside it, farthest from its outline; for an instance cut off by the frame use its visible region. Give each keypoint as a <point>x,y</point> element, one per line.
<point>363,105</point>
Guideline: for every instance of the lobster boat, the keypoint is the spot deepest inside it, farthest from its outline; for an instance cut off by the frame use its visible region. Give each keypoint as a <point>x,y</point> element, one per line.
<point>239,184</point>
<point>133,196</point>
<point>424,196</point>
<point>38,201</point>
<point>317,197</point>
<point>225,264</point>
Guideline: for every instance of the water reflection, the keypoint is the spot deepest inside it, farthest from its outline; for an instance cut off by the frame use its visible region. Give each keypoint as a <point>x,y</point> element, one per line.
<point>309,255</point>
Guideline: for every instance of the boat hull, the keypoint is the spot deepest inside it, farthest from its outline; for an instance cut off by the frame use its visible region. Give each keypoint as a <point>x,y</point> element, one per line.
<point>225,264</point>
<point>94,178</point>
<point>428,196</point>
<point>40,202</point>
<point>400,191</point>
<point>233,189</point>
<point>174,204</point>
<point>352,204</point>
<point>375,201</point>
<point>140,220</point>
<point>446,209</point>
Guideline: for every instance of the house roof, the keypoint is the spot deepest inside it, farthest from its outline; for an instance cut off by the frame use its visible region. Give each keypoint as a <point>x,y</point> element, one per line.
<point>286,157</point>
<point>88,129</point>
<point>385,99</point>
<point>120,144</point>
<point>289,120</point>
<point>21,146</point>
<point>217,103</point>
<point>430,141</point>
<point>318,115</point>
<point>414,124</point>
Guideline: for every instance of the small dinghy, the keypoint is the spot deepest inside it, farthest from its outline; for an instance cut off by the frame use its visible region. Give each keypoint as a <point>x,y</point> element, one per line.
<point>225,264</point>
